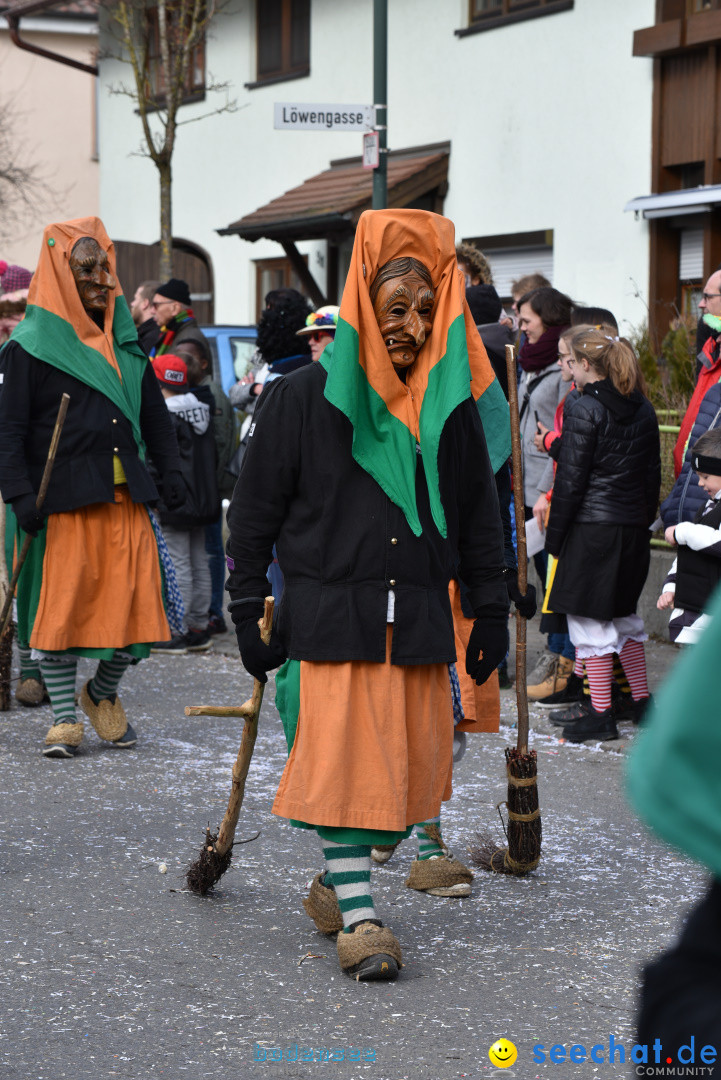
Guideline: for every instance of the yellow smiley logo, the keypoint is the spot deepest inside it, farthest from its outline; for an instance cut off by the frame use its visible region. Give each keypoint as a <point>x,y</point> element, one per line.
<point>503,1053</point>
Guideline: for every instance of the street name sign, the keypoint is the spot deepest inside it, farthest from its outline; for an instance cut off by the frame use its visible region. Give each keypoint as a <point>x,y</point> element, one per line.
<point>292,116</point>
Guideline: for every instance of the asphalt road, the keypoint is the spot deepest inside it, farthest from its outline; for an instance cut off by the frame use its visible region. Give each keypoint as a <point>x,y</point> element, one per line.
<point>111,969</point>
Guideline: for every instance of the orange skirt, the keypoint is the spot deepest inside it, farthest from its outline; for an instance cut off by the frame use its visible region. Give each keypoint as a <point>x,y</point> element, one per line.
<point>481,704</point>
<point>101,584</point>
<point>373,748</point>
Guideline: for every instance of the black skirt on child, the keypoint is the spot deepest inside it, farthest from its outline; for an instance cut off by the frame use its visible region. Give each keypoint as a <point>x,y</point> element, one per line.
<point>601,571</point>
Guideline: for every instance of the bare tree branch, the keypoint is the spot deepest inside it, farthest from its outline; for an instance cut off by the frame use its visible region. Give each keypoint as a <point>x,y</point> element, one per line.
<point>161,82</point>
<point>22,187</point>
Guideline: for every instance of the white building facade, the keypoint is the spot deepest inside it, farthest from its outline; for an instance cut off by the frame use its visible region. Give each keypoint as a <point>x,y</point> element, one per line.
<point>547,113</point>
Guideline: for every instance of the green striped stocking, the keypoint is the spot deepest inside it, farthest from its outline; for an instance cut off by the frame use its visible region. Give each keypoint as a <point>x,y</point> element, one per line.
<point>429,841</point>
<point>104,683</point>
<point>29,668</point>
<point>59,675</point>
<point>349,871</point>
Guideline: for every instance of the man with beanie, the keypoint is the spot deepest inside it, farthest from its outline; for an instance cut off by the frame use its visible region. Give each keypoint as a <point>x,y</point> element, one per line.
<point>184,526</point>
<point>172,312</point>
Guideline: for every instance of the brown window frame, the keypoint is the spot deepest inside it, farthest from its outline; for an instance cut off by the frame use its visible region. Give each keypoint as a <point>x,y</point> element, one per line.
<point>287,69</point>
<point>509,12</point>
<point>194,88</point>
<point>281,265</point>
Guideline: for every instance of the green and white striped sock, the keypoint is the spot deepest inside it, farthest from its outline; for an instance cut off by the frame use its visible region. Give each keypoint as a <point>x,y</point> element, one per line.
<point>29,668</point>
<point>349,870</point>
<point>104,683</point>
<point>59,676</point>
<point>428,845</point>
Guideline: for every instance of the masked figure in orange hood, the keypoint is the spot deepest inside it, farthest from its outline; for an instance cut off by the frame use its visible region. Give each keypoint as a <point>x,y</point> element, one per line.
<point>91,585</point>
<point>370,472</point>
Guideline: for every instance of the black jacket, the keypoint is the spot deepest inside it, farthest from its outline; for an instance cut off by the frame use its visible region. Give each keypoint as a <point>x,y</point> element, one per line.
<point>148,335</point>
<point>681,992</point>
<point>94,431</point>
<point>698,572</point>
<point>198,464</point>
<point>342,544</point>
<point>609,462</point>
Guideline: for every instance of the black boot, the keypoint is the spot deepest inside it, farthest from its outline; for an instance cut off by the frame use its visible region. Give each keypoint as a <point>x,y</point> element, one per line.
<point>592,726</point>
<point>571,714</point>
<point>572,692</point>
<point>638,709</point>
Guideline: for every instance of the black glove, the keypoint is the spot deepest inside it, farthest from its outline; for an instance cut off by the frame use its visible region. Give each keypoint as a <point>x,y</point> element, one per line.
<point>175,491</point>
<point>525,605</point>
<point>29,518</point>
<point>257,657</point>
<point>490,637</point>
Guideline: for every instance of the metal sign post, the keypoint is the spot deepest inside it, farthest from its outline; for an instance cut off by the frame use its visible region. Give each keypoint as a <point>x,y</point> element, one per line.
<point>380,98</point>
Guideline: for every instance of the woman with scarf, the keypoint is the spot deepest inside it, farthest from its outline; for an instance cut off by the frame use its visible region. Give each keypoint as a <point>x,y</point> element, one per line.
<point>371,470</point>
<point>543,316</point>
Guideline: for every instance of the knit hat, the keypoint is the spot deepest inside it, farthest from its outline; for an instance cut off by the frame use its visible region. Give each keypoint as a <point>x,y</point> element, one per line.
<point>13,278</point>
<point>324,320</point>
<point>175,289</point>
<point>171,370</point>
<point>485,304</point>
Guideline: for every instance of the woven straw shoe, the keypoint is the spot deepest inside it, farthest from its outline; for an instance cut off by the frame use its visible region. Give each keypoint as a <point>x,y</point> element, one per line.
<point>62,740</point>
<point>441,875</point>
<point>321,904</point>
<point>369,952</point>
<point>31,692</point>
<point>108,718</point>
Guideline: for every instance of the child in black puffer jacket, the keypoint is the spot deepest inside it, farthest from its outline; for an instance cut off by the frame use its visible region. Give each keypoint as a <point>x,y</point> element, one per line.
<point>605,498</point>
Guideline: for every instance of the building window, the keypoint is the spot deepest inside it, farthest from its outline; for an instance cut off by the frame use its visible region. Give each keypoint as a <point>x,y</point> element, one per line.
<point>274,274</point>
<point>487,14</point>
<point>283,39</point>
<point>194,85</point>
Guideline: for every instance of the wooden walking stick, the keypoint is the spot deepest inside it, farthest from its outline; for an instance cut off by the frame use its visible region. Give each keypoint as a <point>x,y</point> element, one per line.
<point>523,831</point>
<point>47,471</point>
<point>217,851</point>
<point>6,639</point>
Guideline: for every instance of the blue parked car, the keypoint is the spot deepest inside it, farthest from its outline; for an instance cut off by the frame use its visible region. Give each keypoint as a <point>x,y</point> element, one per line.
<point>232,348</point>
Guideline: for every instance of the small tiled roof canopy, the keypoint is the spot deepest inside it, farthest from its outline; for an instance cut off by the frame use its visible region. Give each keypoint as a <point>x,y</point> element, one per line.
<point>75,9</point>
<point>328,205</point>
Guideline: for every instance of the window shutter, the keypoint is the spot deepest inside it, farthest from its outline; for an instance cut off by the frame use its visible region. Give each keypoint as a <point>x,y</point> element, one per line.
<point>509,264</point>
<point>691,263</point>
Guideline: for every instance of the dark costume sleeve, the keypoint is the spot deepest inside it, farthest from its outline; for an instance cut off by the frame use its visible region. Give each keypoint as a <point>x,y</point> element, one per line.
<point>263,490</point>
<point>156,425</point>
<point>480,538</point>
<point>16,394</point>
<point>681,994</point>
<point>505,495</point>
<point>575,461</point>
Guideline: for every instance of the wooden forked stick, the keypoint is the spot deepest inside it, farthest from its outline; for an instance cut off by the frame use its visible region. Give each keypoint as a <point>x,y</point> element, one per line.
<point>52,451</point>
<point>250,711</point>
<point>519,514</point>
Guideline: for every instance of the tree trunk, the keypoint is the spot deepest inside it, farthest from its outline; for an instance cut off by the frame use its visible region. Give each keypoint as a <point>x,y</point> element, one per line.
<point>165,270</point>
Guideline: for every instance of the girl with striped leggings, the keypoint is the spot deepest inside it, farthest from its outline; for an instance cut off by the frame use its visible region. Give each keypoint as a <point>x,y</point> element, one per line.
<point>605,498</point>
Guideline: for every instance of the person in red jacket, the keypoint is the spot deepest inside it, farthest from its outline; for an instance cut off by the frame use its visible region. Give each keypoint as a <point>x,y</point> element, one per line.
<point>710,357</point>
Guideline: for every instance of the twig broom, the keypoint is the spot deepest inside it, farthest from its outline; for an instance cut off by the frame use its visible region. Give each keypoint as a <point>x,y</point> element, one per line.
<point>217,851</point>
<point>523,831</point>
